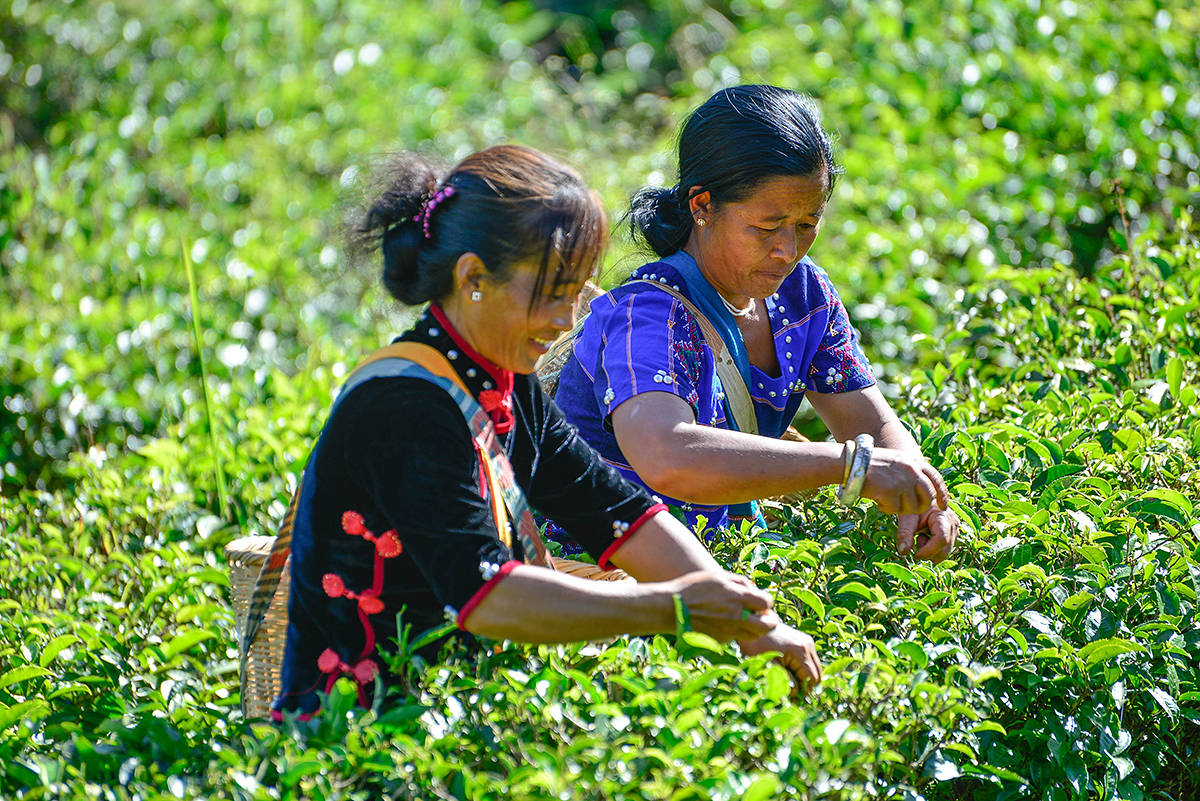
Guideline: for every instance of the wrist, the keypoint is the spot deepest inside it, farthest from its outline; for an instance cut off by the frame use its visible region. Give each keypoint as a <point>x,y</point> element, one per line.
<point>815,464</point>
<point>662,606</point>
<point>859,462</point>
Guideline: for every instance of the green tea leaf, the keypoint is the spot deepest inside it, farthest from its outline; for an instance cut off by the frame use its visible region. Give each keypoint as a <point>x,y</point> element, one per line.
<point>1101,651</point>
<point>811,600</point>
<point>305,767</point>
<point>777,684</point>
<point>859,589</point>
<point>26,710</point>
<point>55,647</point>
<point>1172,497</point>
<point>900,572</point>
<point>1164,700</point>
<point>762,788</point>
<point>1175,375</point>
<point>1052,474</point>
<point>1078,600</point>
<point>914,652</point>
<point>1039,621</point>
<point>185,641</point>
<point>23,673</point>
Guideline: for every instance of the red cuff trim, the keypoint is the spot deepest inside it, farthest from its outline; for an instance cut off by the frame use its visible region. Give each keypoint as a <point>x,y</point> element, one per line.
<point>482,592</point>
<point>603,562</point>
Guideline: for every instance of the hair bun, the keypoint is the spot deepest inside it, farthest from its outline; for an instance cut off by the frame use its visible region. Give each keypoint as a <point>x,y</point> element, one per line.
<point>660,217</point>
<point>389,223</point>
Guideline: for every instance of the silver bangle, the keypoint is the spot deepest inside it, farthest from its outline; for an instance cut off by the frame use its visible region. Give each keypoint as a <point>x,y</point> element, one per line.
<point>851,489</point>
<point>848,449</point>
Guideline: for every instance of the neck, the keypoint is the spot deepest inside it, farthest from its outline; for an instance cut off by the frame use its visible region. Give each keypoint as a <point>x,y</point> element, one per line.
<point>458,326</point>
<point>742,302</point>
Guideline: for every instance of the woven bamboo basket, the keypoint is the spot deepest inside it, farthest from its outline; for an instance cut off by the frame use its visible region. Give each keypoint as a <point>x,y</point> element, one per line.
<point>246,556</point>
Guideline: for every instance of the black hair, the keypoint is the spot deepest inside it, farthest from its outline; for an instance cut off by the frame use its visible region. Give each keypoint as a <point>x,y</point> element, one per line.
<point>737,139</point>
<point>509,203</point>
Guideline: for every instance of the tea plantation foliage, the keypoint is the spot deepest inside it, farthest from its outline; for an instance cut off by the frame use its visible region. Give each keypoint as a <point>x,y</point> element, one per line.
<point>1013,236</point>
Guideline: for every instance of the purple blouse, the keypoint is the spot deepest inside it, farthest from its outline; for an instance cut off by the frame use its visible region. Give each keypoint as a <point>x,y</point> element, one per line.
<point>638,339</point>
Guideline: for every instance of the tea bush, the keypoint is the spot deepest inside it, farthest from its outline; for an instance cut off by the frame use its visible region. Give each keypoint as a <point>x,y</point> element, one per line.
<point>1055,657</point>
<point>1012,235</point>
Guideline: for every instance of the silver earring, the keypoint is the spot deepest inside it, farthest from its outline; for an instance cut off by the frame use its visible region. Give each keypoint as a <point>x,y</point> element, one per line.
<point>476,295</point>
<point>700,222</point>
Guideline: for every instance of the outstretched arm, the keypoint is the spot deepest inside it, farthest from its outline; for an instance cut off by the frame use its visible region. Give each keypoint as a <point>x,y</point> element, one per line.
<point>677,456</point>
<point>672,561</point>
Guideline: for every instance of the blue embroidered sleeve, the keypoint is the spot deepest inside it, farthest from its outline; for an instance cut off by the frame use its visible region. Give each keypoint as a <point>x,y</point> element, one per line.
<point>647,343</point>
<point>839,364</point>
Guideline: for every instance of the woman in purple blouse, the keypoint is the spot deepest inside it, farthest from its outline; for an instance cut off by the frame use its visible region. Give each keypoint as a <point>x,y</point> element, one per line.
<point>756,169</point>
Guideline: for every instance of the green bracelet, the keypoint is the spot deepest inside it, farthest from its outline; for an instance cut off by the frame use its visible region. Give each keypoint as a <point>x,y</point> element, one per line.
<point>683,618</point>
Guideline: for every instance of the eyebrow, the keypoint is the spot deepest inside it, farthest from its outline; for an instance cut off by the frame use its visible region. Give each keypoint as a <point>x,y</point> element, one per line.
<point>817,214</point>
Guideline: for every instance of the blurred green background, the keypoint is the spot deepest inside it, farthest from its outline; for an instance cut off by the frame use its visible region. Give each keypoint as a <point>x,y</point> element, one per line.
<point>974,134</point>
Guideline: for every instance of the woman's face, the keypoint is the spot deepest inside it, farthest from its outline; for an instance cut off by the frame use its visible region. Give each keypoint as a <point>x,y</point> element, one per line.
<point>746,249</point>
<point>509,330</point>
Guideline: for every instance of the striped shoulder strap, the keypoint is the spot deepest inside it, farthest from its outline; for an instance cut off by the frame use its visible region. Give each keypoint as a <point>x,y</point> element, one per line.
<point>737,394</point>
<point>507,501</point>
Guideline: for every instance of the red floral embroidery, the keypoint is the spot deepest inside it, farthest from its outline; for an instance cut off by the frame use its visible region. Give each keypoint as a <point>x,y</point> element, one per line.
<point>496,402</point>
<point>334,587</point>
<point>387,546</point>
<point>352,523</point>
<point>328,661</point>
<point>363,672</point>
<point>499,407</point>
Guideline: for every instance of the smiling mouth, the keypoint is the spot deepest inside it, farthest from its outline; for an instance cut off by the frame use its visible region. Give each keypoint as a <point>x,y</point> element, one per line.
<point>542,344</point>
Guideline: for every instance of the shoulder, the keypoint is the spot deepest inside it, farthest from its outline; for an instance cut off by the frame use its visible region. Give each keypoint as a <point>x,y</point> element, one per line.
<point>403,411</point>
<point>637,302</point>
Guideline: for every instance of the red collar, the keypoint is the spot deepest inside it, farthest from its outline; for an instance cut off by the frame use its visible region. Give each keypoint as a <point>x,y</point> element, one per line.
<point>496,402</point>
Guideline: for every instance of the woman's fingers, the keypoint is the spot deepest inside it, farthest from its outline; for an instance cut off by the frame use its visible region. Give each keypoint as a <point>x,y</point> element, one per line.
<point>940,492</point>
<point>755,626</point>
<point>943,531</point>
<point>754,599</point>
<point>726,606</point>
<point>797,653</point>
<point>903,483</point>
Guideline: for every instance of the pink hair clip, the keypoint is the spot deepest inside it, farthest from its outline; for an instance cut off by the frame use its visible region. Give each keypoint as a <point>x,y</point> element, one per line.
<point>427,211</point>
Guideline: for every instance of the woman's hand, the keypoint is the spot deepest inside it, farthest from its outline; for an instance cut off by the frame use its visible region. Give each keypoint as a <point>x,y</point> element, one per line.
<point>903,483</point>
<point>933,533</point>
<point>797,653</point>
<point>725,606</point>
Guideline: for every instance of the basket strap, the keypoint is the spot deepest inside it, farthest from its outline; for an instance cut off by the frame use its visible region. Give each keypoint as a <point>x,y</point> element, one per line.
<point>508,502</point>
<point>501,478</point>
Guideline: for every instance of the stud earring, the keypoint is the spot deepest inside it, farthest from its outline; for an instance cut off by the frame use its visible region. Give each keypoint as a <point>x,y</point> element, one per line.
<point>700,222</point>
<point>476,295</point>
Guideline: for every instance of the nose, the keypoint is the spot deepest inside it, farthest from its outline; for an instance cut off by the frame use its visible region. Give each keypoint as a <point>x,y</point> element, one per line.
<point>786,248</point>
<point>562,315</point>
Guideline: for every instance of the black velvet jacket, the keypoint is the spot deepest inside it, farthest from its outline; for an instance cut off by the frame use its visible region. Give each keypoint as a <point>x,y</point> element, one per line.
<point>400,517</point>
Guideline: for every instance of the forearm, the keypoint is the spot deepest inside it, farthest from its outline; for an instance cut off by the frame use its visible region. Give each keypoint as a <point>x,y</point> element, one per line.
<point>864,412</point>
<point>701,464</point>
<point>662,549</point>
<point>532,604</point>
<point>892,433</point>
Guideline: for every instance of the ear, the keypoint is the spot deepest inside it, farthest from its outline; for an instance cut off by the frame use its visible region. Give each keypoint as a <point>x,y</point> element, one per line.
<point>700,203</point>
<point>469,273</point>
